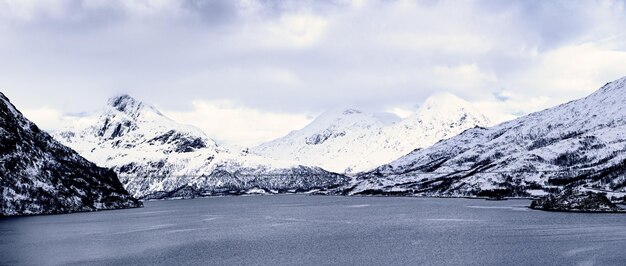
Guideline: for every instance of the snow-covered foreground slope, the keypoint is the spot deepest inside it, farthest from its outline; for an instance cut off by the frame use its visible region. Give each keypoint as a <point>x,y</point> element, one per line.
<point>38,175</point>
<point>353,141</point>
<point>158,158</point>
<point>579,144</point>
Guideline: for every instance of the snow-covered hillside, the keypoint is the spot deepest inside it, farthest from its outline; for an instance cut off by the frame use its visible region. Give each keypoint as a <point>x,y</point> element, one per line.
<point>38,175</point>
<point>579,144</point>
<point>157,157</point>
<point>351,140</point>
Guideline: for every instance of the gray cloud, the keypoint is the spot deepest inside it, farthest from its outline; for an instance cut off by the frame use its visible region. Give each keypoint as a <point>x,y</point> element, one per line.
<point>306,56</point>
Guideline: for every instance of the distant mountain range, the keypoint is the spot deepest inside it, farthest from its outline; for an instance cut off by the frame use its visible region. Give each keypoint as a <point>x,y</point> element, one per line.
<point>351,140</point>
<point>157,157</point>
<point>580,144</point>
<point>38,175</point>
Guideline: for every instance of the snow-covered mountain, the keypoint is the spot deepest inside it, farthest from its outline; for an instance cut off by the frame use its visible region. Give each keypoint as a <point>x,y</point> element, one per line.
<point>580,144</point>
<point>352,141</point>
<point>157,157</point>
<point>38,175</point>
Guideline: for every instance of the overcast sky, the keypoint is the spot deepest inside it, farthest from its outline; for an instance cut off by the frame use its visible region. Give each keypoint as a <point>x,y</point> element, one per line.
<point>249,71</point>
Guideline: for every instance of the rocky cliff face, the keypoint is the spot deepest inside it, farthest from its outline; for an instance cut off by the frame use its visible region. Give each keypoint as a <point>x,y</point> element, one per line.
<point>580,144</point>
<point>157,157</point>
<point>38,175</point>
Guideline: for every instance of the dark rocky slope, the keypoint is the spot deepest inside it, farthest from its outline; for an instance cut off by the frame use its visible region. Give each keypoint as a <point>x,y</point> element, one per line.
<point>38,175</point>
<point>575,201</point>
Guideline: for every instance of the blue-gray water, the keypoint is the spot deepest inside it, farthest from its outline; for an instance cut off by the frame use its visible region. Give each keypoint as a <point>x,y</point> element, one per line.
<point>288,230</point>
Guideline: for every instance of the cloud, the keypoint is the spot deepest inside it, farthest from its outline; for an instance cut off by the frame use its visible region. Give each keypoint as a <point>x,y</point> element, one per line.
<point>295,30</point>
<point>228,122</point>
<point>302,57</point>
<point>44,117</point>
<point>51,119</point>
<point>576,69</point>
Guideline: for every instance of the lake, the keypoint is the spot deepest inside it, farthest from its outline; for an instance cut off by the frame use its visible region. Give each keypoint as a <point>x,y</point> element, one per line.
<point>298,229</point>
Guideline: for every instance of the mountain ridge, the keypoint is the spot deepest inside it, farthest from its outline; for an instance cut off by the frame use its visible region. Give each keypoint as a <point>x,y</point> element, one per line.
<point>579,143</point>
<point>157,157</point>
<point>347,140</point>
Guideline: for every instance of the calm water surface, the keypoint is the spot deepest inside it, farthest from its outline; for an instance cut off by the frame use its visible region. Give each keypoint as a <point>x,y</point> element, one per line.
<point>288,230</point>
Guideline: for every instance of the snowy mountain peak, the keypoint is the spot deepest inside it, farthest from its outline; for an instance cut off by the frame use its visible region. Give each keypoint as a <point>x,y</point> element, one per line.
<point>443,98</point>
<point>351,140</point>
<point>123,102</point>
<point>337,121</point>
<point>352,111</point>
<point>446,101</point>
<point>124,114</point>
<point>353,116</point>
<point>157,157</point>
<point>577,144</point>
<point>130,106</point>
<point>127,123</point>
<point>442,114</point>
<point>339,113</point>
<point>447,106</point>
